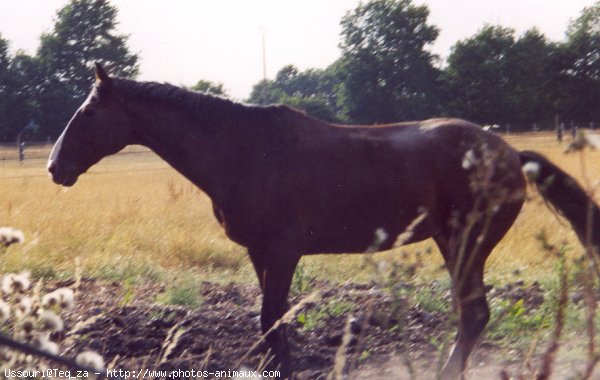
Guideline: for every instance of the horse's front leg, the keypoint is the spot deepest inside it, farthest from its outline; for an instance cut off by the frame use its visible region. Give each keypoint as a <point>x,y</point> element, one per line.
<point>275,269</point>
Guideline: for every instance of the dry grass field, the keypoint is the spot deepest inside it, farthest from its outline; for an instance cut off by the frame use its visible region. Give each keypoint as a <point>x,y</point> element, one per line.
<point>132,216</point>
<point>133,222</point>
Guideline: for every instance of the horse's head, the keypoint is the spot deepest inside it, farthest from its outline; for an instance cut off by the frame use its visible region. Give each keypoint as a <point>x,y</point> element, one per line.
<point>100,127</point>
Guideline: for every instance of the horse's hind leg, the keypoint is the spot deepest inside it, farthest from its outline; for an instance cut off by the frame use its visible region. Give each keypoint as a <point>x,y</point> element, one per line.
<point>275,270</point>
<point>473,316</point>
<point>465,252</point>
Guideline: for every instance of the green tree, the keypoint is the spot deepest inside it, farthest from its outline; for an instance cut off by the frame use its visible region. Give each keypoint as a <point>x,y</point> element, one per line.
<point>84,33</point>
<point>7,125</point>
<point>493,77</point>
<point>312,90</point>
<point>314,105</point>
<point>209,87</point>
<point>386,70</point>
<point>265,92</point>
<point>579,66</point>
<point>477,76</point>
<point>4,58</point>
<point>16,109</point>
<point>530,67</point>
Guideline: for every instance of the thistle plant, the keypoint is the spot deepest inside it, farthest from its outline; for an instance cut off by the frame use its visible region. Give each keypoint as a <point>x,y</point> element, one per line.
<point>29,316</point>
<point>10,236</point>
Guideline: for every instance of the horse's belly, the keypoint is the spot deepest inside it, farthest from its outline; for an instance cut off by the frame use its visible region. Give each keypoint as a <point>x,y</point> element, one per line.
<point>365,237</point>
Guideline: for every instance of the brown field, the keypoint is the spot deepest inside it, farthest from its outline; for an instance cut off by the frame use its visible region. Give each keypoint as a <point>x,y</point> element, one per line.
<point>132,215</point>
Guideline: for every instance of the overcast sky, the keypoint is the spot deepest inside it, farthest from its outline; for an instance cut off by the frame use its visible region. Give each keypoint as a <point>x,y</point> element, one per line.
<point>182,41</point>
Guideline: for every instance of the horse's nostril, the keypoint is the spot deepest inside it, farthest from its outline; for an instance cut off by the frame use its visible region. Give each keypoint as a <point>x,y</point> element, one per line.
<point>51,167</point>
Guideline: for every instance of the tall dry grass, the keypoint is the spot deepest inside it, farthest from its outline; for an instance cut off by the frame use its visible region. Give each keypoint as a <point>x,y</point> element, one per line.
<point>133,216</point>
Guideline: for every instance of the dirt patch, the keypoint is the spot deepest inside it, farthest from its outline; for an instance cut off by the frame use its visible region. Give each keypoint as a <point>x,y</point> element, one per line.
<point>388,339</point>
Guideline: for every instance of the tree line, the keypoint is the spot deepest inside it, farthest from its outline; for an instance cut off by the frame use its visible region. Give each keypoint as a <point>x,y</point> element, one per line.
<point>386,72</point>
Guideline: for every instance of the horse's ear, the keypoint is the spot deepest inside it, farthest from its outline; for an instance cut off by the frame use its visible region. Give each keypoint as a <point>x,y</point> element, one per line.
<point>101,75</point>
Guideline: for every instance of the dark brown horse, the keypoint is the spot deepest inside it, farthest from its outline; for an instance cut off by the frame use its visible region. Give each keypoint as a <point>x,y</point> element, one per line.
<point>284,185</point>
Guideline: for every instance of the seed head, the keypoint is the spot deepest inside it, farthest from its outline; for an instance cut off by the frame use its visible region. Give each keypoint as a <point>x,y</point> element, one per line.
<point>4,311</point>
<point>51,321</point>
<point>27,325</point>
<point>51,347</point>
<point>44,343</point>
<point>382,266</point>
<point>90,359</point>
<point>9,236</point>
<point>21,282</point>
<point>531,170</point>
<point>63,297</point>
<point>66,297</point>
<point>50,300</point>
<point>5,354</point>
<point>12,283</point>
<point>7,284</point>
<point>469,159</point>
<point>24,306</point>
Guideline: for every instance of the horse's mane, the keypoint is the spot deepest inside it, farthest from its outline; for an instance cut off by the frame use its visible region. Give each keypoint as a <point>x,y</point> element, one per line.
<point>197,103</point>
<point>273,125</point>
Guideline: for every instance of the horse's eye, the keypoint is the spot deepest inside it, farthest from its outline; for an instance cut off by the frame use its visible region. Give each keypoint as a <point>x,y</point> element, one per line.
<point>88,112</point>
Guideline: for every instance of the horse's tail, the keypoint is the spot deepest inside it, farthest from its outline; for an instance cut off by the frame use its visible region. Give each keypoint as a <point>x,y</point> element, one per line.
<point>564,193</point>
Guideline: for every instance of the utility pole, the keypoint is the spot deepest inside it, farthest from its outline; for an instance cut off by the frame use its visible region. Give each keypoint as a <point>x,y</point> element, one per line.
<point>264,56</point>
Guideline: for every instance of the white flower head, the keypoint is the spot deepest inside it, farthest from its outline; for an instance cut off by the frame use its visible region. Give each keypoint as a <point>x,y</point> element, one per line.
<point>7,283</point>
<point>6,354</point>
<point>21,282</point>
<point>44,343</point>
<point>63,297</point>
<point>531,170</point>
<point>4,311</point>
<point>379,238</point>
<point>27,325</point>
<point>51,321</point>
<point>382,266</point>
<point>66,297</point>
<point>380,235</point>
<point>50,347</point>
<point>12,283</point>
<point>90,359</point>
<point>51,299</point>
<point>9,236</point>
<point>24,306</point>
<point>469,159</point>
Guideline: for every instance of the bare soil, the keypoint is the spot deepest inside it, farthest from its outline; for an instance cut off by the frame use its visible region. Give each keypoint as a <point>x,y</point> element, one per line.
<point>387,339</point>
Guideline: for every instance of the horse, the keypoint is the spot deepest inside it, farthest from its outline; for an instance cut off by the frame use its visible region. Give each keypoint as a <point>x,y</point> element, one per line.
<point>284,184</point>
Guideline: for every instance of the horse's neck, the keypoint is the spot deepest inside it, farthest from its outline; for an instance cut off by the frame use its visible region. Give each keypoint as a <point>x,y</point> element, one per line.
<point>208,155</point>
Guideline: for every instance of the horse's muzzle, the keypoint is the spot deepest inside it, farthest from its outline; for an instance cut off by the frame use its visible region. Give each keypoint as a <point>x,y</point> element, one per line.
<point>61,176</point>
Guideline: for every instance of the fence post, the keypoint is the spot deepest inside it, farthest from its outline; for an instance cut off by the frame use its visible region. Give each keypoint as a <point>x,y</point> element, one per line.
<point>557,128</point>
<point>22,151</point>
<point>21,146</point>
